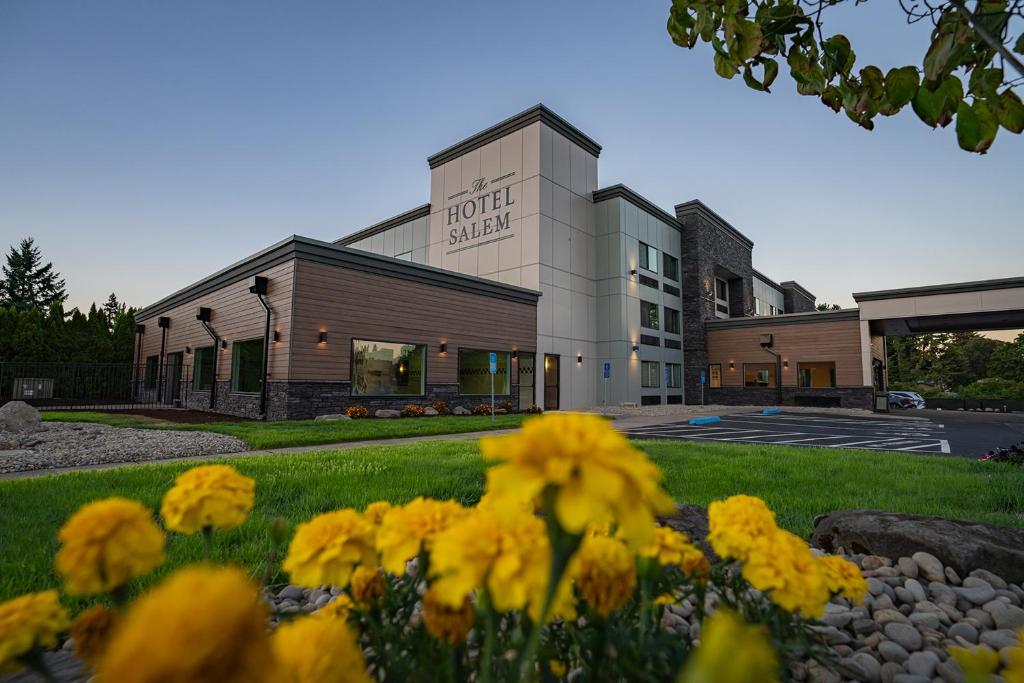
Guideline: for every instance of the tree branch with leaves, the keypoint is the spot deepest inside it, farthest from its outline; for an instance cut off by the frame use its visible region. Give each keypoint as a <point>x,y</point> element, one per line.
<point>977,45</point>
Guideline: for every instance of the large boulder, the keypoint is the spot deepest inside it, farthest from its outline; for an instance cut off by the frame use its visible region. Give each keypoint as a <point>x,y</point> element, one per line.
<point>459,410</point>
<point>388,414</point>
<point>332,417</point>
<point>964,546</point>
<point>430,412</point>
<point>19,417</point>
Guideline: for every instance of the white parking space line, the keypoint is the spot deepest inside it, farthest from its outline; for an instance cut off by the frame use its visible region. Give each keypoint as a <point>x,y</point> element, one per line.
<point>936,444</point>
<point>769,435</point>
<point>789,424</point>
<point>831,421</point>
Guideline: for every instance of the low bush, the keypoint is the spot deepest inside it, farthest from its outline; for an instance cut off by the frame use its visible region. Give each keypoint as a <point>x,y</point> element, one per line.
<point>993,387</point>
<point>412,410</point>
<point>441,407</point>
<point>505,405</point>
<point>356,412</point>
<point>482,409</point>
<point>534,410</point>
<point>1013,455</point>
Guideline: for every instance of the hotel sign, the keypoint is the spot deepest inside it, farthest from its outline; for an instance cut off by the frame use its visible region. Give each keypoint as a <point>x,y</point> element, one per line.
<point>480,214</point>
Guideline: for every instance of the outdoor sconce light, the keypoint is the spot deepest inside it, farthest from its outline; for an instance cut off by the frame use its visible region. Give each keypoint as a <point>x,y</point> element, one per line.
<point>732,366</point>
<point>515,354</point>
<point>223,343</point>
<point>579,359</point>
<point>444,349</point>
<point>323,337</point>
<point>277,335</point>
<point>632,271</point>
<point>188,350</point>
<point>785,364</point>
<point>636,347</point>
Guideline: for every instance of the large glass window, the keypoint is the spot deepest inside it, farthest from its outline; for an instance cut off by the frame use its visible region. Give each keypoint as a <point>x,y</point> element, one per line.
<point>759,375</point>
<point>673,375</point>
<point>650,374</point>
<point>152,368</point>
<point>475,374</point>
<point>671,269</point>
<point>247,366</point>
<point>388,368</point>
<point>817,375</point>
<point>672,321</point>
<point>721,298</point>
<point>648,315</point>
<point>648,257</point>
<point>202,370</point>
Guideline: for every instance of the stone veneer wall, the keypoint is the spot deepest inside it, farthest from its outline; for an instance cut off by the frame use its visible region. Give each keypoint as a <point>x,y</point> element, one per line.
<point>850,397</point>
<point>796,301</point>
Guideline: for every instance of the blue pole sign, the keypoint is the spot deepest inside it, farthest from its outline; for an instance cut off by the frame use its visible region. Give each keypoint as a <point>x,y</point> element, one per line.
<point>607,370</point>
<point>703,377</point>
<point>494,363</point>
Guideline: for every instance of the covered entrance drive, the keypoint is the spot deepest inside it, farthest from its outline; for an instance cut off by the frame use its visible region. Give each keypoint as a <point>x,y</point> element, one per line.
<point>957,307</point>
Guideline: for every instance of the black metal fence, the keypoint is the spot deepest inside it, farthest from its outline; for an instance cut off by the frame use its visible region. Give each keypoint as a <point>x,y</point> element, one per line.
<point>998,405</point>
<point>97,385</point>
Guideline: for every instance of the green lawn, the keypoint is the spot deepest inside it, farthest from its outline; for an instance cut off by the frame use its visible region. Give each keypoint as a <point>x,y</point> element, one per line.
<point>284,433</point>
<point>798,483</point>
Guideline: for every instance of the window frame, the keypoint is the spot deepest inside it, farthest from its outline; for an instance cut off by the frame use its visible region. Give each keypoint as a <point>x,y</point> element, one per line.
<point>773,376</point>
<point>722,308</point>
<point>644,368</point>
<point>832,374</point>
<point>196,386</point>
<point>508,371</point>
<point>646,251</point>
<point>650,306</point>
<point>352,366</point>
<point>667,258</point>
<point>235,363</point>
<point>674,374</point>
<point>678,317</point>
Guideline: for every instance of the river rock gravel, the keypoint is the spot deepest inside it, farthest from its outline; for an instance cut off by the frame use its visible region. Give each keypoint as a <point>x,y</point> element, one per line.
<point>78,444</point>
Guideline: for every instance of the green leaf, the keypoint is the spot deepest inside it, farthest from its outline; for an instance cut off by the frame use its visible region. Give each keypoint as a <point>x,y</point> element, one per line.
<point>725,66</point>
<point>805,71</point>
<point>976,126</point>
<point>901,86</point>
<point>832,98</point>
<point>936,108</point>
<point>938,57</point>
<point>985,82</point>
<point>837,57</point>
<point>1011,112</point>
<point>1018,47</point>
<point>748,78</point>
<point>743,37</point>
<point>771,70</point>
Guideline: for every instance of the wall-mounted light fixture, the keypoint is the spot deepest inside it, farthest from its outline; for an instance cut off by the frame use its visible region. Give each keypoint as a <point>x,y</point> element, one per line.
<point>223,343</point>
<point>444,348</point>
<point>579,359</point>
<point>632,271</point>
<point>785,364</point>
<point>732,366</point>
<point>188,350</point>
<point>323,337</point>
<point>515,354</point>
<point>277,335</point>
<point>636,348</point>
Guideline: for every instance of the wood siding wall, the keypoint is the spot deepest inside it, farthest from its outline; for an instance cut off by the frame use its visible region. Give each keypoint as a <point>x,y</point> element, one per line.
<point>348,304</point>
<point>236,316</point>
<point>798,343</point>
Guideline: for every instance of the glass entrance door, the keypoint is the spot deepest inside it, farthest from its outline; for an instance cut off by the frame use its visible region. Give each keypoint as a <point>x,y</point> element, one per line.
<point>551,381</point>
<point>527,378</point>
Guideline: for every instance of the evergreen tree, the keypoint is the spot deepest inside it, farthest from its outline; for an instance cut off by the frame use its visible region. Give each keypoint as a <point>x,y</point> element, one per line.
<point>27,282</point>
<point>112,309</point>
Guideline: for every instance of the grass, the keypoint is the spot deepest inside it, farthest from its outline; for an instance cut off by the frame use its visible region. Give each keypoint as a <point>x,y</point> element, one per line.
<point>798,483</point>
<point>286,433</point>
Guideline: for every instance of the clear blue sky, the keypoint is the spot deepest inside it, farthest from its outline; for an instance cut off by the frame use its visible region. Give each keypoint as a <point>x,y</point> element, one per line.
<point>147,144</point>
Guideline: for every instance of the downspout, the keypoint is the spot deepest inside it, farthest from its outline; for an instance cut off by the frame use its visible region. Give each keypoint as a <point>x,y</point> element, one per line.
<point>778,370</point>
<point>164,323</point>
<point>266,357</point>
<point>140,332</point>
<point>216,353</point>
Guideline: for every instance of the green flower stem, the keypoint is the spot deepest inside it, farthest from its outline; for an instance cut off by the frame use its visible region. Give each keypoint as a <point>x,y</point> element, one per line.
<point>208,541</point>
<point>490,628</point>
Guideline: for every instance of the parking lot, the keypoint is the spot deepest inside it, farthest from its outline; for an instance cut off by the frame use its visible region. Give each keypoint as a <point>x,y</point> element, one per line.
<point>802,429</point>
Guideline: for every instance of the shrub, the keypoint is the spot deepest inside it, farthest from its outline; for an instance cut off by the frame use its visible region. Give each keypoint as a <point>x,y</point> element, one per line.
<point>412,410</point>
<point>440,406</point>
<point>1013,455</point>
<point>482,409</point>
<point>993,387</point>
<point>356,412</point>
<point>534,410</point>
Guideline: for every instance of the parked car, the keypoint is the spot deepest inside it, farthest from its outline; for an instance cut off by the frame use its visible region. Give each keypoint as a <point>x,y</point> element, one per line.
<point>905,399</point>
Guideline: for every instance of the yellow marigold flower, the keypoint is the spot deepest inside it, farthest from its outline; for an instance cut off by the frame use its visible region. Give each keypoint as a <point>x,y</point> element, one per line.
<point>591,468</point>
<point>979,660</point>
<point>510,556</point>
<point>327,548</point>
<point>107,543</point>
<point>843,577</point>
<point>731,651</point>
<point>1014,671</point>
<point>367,585</point>
<point>375,512</point>
<point>338,608</point>
<point>558,669</point>
<point>28,622</point>
<point>448,624</point>
<point>92,631</point>
<point>783,565</point>
<point>605,573</point>
<point>734,524</point>
<point>312,650</point>
<point>672,548</point>
<point>203,625</point>
<point>406,530</point>
<point>665,599</point>
<point>214,496</point>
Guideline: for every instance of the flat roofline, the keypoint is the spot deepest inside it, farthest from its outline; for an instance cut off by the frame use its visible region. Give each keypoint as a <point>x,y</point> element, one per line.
<point>386,224</point>
<point>307,249</point>
<point>621,191</point>
<point>786,319</point>
<point>767,280</point>
<point>934,290</point>
<point>538,112</point>
<point>793,284</point>
<point>697,206</point>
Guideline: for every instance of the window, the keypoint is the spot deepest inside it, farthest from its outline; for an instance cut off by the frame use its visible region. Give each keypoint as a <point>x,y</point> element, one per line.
<point>152,368</point>
<point>672,319</point>
<point>759,308</point>
<point>671,267</point>
<point>648,257</point>
<point>817,375</point>
<point>650,374</point>
<point>759,375</point>
<point>202,371</point>
<point>475,373</point>
<point>247,366</point>
<point>721,298</point>
<point>648,315</point>
<point>673,375</point>
<point>388,368</point>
